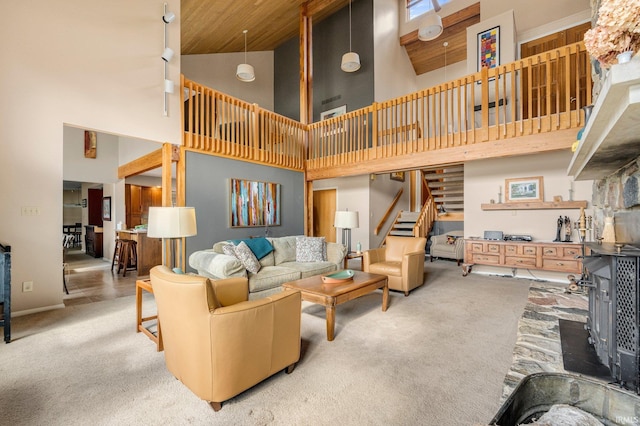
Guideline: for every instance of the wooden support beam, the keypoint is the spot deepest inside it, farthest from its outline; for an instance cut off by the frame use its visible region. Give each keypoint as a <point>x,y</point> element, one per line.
<point>147,162</point>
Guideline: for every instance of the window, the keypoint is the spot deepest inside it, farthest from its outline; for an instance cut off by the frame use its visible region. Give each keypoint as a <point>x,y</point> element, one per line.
<point>417,8</point>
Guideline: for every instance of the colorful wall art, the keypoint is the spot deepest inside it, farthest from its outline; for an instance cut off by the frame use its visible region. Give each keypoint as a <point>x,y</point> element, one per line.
<point>254,203</point>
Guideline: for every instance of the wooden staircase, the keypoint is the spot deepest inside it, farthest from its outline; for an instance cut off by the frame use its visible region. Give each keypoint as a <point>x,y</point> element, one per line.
<point>446,185</point>
<point>404,224</point>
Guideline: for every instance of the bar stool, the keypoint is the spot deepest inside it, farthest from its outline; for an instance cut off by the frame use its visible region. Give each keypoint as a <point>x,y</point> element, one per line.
<point>116,254</point>
<point>128,256</point>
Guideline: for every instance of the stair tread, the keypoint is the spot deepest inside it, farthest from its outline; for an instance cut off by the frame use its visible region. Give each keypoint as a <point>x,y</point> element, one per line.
<point>401,233</point>
<point>443,175</point>
<point>404,225</point>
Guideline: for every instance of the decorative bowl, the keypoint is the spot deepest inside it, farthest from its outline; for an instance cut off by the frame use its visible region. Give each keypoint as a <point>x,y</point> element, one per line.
<point>338,277</point>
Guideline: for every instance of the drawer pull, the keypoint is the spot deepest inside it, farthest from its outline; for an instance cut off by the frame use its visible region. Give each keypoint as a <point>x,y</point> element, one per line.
<point>560,264</point>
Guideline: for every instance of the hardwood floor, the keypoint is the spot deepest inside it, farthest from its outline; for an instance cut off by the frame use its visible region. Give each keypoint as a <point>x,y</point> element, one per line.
<point>91,280</point>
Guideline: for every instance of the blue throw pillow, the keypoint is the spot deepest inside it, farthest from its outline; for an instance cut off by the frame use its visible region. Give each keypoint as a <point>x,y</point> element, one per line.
<point>259,246</point>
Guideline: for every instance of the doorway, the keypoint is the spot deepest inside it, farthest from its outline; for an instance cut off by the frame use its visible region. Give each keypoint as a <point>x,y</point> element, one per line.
<point>324,210</point>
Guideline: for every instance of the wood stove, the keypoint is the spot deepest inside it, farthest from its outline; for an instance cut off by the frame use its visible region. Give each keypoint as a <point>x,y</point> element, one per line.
<point>612,275</point>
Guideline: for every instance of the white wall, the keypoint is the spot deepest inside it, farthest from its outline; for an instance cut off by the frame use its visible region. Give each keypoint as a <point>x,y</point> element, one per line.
<point>86,63</point>
<point>218,71</point>
<point>394,75</point>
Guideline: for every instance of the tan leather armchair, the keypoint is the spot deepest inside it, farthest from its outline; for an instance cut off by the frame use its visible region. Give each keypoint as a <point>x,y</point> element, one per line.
<point>401,259</point>
<point>215,341</point>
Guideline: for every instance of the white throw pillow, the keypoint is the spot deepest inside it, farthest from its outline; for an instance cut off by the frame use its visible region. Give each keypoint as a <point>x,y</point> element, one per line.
<point>311,249</point>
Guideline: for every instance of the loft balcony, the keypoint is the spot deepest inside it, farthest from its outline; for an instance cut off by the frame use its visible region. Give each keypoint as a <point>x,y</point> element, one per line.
<point>528,106</point>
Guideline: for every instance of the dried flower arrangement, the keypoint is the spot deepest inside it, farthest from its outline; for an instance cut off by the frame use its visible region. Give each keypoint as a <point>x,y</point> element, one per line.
<point>617,30</point>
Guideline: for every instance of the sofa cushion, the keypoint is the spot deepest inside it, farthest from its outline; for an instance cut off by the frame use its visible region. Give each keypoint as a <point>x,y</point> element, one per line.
<point>311,249</point>
<point>271,277</point>
<point>284,249</point>
<point>248,259</point>
<point>309,269</point>
<point>259,246</point>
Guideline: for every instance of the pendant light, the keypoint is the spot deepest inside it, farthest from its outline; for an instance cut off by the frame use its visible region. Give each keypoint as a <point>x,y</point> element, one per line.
<point>350,60</point>
<point>431,26</point>
<point>245,71</point>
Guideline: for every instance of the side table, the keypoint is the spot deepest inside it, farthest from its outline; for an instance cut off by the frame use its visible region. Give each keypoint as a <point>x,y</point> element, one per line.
<point>352,255</point>
<point>157,338</point>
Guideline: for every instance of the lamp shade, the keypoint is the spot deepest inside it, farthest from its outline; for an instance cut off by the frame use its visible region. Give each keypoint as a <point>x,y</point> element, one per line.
<point>346,220</point>
<point>172,222</point>
<point>431,27</point>
<point>350,62</point>
<point>245,72</point>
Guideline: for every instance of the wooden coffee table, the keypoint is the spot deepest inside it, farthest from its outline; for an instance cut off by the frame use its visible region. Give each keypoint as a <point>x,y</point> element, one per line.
<point>314,290</point>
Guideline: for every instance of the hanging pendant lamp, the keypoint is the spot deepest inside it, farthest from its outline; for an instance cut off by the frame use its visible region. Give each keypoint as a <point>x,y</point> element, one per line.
<point>431,26</point>
<point>245,71</point>
<point>350,60</point>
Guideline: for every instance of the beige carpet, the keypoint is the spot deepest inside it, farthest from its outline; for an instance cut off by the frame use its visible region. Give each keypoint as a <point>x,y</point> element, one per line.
<point>437,357</point>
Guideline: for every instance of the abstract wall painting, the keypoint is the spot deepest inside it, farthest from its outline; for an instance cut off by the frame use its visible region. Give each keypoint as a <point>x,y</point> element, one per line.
<point>489,48</point>
<point>254,203</point>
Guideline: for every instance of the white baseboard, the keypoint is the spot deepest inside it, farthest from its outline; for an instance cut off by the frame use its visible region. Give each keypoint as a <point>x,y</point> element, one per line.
<point>36,310</point>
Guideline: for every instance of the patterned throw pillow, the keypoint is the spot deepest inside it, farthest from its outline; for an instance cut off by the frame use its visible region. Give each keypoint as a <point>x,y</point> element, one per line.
<point>248,259</point>
<point>229,250</point>
<point>451,239</point>
<point>311,249</point>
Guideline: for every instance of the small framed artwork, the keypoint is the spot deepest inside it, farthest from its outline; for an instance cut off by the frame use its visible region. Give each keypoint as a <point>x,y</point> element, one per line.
<point>333,112</point>
<point>524,189</point>
<point>106,208</point>
<point>489,48</point>
<point>399,176</point>
<point>90,144</point>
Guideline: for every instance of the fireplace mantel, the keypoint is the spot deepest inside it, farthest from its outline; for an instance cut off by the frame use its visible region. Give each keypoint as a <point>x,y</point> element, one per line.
<point>611,138</point>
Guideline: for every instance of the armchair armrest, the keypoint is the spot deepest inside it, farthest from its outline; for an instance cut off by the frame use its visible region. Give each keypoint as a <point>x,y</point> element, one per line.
<point>372,256</point>
<point>231,291</point>
<point>413,267</point>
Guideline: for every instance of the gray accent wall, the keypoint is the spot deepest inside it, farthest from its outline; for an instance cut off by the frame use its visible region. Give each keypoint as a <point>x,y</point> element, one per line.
<point>332,87</point>
<point>207,189</point>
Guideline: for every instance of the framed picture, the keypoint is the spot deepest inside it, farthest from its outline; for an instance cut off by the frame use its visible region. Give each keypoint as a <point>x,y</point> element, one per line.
<point>399,176</point>
<point>90,144</point>
<point>524,189</point>
<point>106,208</point>
<point>333,112</point>
<point>489,48</point>
<point>254,203</point>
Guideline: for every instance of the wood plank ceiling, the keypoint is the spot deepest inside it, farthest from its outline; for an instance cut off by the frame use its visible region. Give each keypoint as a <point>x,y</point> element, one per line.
<point>216,26</point>
<point>430,55</point>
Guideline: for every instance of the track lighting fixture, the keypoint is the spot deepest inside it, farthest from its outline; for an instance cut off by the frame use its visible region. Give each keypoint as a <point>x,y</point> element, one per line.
<point>169,17</point>
<point>167,54</point>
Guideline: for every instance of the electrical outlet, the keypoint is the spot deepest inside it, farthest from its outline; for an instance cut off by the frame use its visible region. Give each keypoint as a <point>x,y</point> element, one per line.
<point>27,286</point>
<point>30,211</point>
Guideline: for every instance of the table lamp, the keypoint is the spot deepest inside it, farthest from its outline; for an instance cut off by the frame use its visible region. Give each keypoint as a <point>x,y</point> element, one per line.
<point>172,224</point>
<point>346,220</point>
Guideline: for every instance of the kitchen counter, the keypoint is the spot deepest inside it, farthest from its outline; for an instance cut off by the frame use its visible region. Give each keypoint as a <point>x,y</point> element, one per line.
<point>149,250</point>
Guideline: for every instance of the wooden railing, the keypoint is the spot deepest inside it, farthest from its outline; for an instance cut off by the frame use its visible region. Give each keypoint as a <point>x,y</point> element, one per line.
<point>535,95</point>
<point>387,213</point>
<point>425,220</point>
<point>538,94</point>
<point>223,125</point>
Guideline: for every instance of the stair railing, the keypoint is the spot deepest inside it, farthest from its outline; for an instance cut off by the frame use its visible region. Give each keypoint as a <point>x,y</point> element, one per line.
<point>388,212</point>
<point>426,219</point>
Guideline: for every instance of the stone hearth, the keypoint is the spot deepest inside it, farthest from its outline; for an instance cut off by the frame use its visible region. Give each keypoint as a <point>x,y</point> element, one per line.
<point>538,348</point>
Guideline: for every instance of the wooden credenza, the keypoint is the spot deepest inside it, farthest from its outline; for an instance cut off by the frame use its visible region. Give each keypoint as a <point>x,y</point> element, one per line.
<point>546,256</point>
